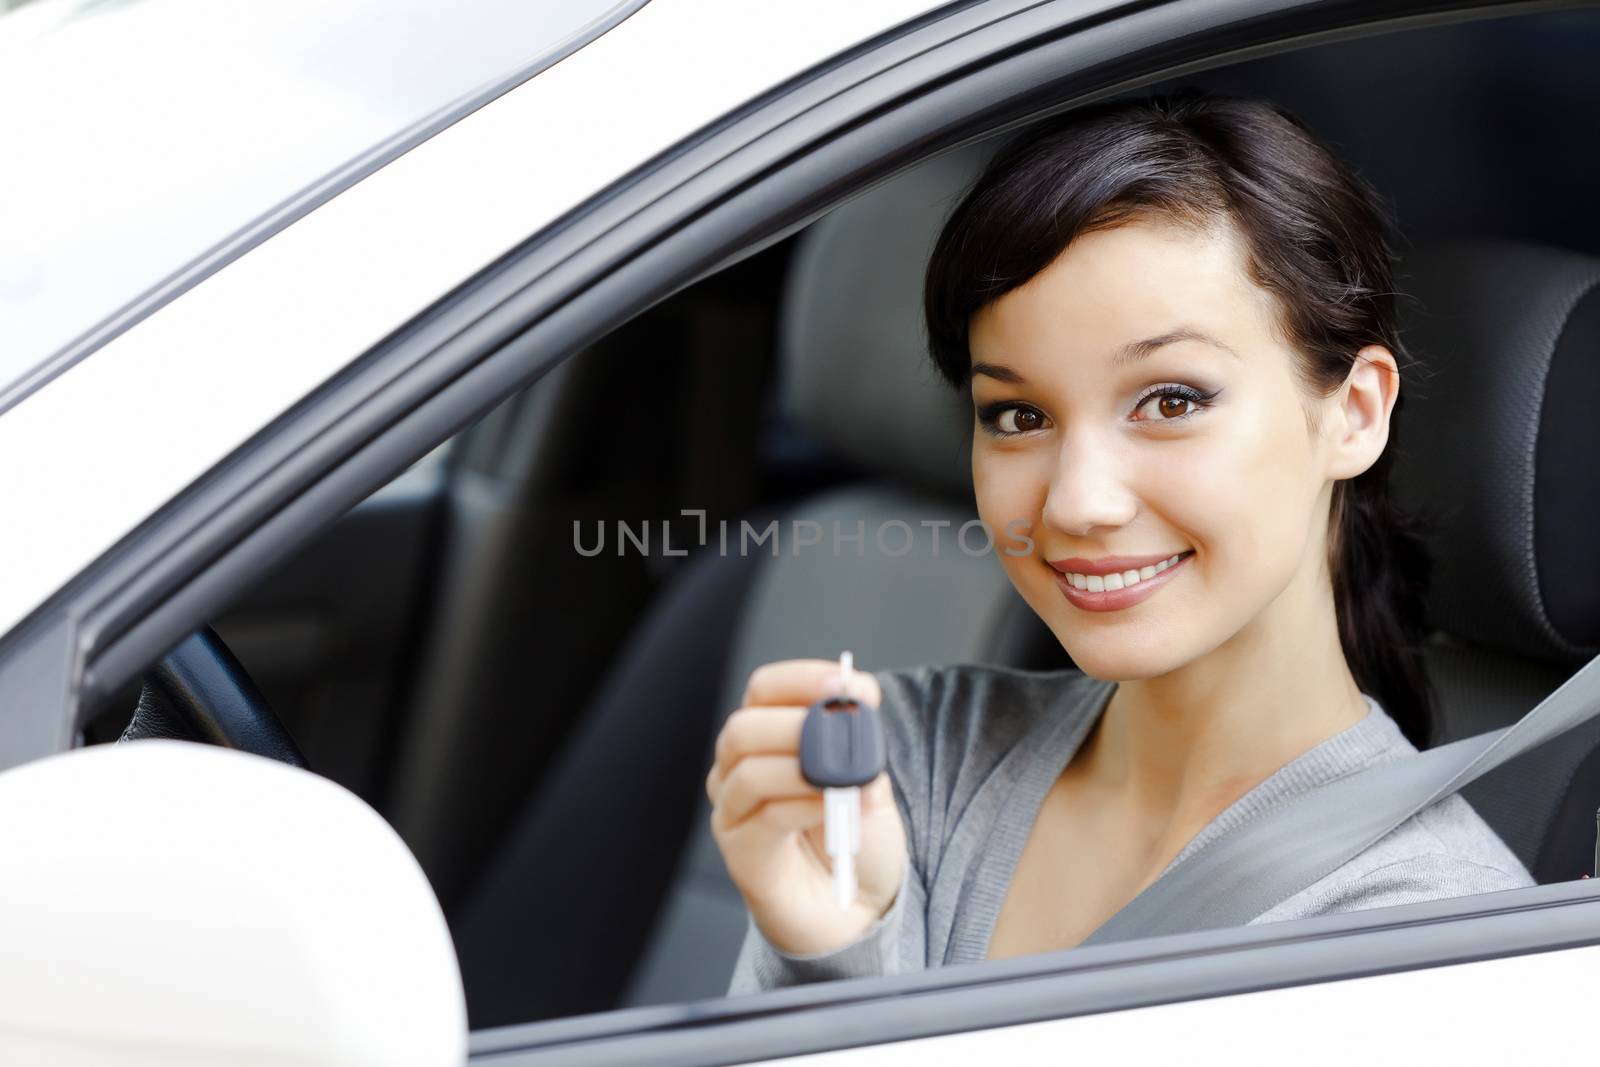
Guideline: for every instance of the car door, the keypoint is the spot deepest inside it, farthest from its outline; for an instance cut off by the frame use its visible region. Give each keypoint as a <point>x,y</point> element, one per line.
<point>331,431</point>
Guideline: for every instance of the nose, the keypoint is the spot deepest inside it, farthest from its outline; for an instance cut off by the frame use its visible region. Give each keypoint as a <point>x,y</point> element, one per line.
<point>1087,489</point>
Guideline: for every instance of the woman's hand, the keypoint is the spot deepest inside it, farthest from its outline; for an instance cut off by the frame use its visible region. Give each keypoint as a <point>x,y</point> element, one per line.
<point>767,819</point>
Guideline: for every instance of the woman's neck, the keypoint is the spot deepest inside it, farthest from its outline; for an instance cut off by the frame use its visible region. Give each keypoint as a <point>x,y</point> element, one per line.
<point>1180,747</point>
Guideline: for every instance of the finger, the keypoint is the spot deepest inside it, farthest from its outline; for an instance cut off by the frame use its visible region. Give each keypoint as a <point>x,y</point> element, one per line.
<point>877,793</point>
<point>757,779</point>
<point>788,681</point>
<point>751,731</point>
<point>804,682</point>
<point>785,815</point>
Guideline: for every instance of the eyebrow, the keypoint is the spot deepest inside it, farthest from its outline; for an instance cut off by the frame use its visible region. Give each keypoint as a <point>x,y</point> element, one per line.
<point>1134,351</point>
<point>1131,352</point>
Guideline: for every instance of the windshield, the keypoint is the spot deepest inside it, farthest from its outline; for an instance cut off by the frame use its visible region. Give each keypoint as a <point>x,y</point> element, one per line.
<point>142,133</point>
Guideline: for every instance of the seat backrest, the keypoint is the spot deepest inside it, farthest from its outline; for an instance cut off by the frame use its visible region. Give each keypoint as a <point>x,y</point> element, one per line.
<point>1497,446</point>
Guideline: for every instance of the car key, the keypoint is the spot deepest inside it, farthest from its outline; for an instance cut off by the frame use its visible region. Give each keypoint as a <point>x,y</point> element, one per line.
<point>841,750</point>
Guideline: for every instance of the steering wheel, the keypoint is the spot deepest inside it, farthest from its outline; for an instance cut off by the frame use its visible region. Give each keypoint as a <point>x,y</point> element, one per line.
<point>201,692</point>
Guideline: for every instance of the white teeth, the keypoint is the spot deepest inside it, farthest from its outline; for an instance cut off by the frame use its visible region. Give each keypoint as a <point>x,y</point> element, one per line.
<point>1096,583</point>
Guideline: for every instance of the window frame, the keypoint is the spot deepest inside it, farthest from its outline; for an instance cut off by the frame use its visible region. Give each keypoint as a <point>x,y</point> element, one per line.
<point>961,74</point>
<point>1064,984</point>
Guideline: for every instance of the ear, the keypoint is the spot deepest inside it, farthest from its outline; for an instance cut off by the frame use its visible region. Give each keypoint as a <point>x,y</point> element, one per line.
<point>1360,420</point>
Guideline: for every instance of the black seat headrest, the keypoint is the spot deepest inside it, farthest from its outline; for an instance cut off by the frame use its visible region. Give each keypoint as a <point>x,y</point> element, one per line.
<point>1497,444</point>
<point>852,344</point>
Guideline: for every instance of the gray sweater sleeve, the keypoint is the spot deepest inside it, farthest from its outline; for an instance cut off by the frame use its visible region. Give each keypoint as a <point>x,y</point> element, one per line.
<point>895,943</point>
<point>877,951</point>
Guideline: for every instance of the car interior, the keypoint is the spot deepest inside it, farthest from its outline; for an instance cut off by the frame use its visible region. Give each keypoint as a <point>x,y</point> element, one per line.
<point>520,651</point>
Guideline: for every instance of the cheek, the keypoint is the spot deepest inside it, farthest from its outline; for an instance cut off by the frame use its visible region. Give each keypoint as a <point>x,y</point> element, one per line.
<point>1242,492</point>
<point>1010,488</point>
<point>1006,487</point>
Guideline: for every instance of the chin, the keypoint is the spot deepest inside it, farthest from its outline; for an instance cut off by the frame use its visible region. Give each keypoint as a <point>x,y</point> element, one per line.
<point>1122,656</point>
<point>1121,664</point>
<point>1122,646</point>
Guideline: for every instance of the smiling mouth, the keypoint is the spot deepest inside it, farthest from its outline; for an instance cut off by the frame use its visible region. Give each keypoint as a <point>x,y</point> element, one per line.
<point>1115,591</point>
<point>1097,583</point>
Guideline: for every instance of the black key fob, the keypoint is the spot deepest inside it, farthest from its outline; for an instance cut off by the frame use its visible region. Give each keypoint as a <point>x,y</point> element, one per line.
<point>841,743</point>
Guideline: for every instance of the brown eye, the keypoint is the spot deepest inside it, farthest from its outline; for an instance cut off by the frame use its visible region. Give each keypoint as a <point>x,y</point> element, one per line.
<point>1019,420</point>
<point>1173,407</point>
<point>1010,420</point>
<point>1172,403</point>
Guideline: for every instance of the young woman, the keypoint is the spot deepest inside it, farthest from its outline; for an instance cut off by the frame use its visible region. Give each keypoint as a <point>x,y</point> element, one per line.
<point>1175,320</point>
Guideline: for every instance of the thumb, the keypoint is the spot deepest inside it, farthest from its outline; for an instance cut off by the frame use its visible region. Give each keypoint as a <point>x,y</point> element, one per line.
<point>860,686</point>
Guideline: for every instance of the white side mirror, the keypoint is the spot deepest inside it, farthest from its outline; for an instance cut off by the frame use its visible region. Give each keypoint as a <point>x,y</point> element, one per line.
<point>171,903</point>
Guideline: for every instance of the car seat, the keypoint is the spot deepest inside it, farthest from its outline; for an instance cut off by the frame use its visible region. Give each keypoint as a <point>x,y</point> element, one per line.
<point>1498,448</point>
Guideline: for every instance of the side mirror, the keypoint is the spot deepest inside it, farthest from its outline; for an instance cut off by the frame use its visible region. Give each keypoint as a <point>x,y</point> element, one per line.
<point>169,902</point>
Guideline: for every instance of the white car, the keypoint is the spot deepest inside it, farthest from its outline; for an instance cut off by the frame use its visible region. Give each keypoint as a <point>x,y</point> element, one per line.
<point>376,380</point>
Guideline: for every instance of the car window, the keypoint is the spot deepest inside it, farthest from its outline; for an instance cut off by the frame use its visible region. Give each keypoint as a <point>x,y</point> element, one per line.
<point>524,659</point>
<point>211,116</point>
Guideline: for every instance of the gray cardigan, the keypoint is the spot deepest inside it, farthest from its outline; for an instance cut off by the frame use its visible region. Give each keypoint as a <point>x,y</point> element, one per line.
<point>972,751</point>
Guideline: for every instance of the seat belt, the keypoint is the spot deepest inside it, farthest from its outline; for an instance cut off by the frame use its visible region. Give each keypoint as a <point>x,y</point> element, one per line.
<point>1294,844</point>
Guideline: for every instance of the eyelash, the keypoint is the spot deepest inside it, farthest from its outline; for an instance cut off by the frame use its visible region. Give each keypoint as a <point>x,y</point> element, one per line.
<point>989,414</point>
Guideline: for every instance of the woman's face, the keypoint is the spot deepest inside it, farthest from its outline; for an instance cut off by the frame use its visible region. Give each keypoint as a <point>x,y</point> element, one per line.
<point>1133,400</point>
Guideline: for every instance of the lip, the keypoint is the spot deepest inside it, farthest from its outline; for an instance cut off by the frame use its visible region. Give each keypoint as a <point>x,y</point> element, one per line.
<point>1115,599</point>
<point>1108,564</point>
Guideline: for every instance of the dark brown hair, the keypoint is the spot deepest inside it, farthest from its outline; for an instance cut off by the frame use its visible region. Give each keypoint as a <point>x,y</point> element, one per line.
<point>1315,238</point>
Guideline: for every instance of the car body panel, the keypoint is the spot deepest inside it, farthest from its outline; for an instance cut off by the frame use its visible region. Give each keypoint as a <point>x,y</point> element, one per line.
<point>1394,1018</point>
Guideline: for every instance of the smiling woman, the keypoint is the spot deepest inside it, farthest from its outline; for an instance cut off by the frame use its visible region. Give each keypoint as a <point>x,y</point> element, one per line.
<point>1175,320</point>
<point>1186,448</point>
<point>1262,260</point>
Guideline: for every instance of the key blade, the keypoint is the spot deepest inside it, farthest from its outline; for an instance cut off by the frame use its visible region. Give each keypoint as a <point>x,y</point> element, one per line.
<point>834,825</point>
<point>841,830</point>
<point>844,878</point>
